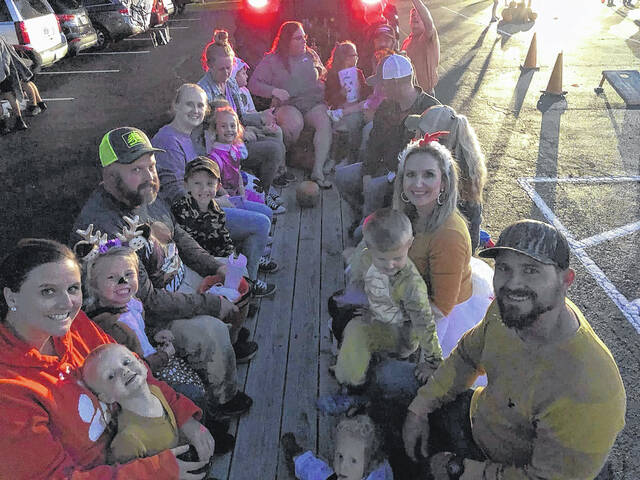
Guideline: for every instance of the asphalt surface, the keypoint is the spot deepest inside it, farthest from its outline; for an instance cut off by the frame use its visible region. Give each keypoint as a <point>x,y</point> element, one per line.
<point>49,170</point>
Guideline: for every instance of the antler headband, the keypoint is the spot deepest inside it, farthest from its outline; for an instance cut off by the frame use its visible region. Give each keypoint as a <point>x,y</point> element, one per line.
<point>94,244</point>
<point>432,137</point>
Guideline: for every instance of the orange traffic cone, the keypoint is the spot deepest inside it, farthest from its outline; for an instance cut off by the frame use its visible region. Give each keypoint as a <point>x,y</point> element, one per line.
<point>554,87</point>
<point>531,59</point>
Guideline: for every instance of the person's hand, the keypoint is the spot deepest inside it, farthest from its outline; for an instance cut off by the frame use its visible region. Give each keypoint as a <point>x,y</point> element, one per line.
<point>228,310</point>
<point>415,428</point>
<point>168,348</point>
<point>280,94</point>
<point>224,202</point>
<point>267,116</point>
<point>198,436</point>
<point>423,371</point>
<point>438,464</point>
<point>250,136</point>
<point>185,467</point>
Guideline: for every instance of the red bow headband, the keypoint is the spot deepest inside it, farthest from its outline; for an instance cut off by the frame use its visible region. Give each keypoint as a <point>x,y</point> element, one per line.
<point>432,137</point>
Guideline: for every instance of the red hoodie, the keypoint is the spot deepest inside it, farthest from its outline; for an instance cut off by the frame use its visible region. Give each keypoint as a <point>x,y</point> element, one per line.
<point>52,427</point>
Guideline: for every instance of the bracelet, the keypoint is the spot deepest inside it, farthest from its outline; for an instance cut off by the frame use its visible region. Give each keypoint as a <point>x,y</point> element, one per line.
<point>455,467</point>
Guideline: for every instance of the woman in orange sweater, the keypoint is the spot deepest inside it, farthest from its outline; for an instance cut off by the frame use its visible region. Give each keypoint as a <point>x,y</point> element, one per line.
<point>426,189</point>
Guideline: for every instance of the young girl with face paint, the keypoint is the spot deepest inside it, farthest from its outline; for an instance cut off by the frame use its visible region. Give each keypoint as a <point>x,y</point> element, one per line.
<point>112,283</point>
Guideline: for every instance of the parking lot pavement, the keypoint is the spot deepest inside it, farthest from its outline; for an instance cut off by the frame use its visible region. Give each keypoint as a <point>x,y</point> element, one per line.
<point>50,169</point>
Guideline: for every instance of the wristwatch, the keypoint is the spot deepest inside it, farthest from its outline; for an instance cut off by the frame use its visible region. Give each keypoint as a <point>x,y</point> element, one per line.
<point>455,467</point>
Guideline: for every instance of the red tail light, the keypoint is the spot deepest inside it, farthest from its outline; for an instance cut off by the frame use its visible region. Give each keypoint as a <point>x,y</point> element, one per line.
<point>124,11</point>
<point>21,32</point>
<point>66,17</point>
<point>258,4</point>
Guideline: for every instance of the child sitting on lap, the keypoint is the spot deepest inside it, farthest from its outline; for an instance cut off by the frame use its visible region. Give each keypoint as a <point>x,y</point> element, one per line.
<point>202,218</point>
<point>398,318</point>
<point>146,423</point>
<point>357,454</point>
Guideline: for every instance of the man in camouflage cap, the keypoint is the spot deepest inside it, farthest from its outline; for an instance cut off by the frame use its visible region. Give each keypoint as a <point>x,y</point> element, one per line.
<point>554,402</point>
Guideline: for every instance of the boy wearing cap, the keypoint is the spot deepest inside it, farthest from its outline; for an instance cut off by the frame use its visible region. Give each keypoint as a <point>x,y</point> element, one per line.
<point>202,218</point>
<point>368,185</point>
<point>554,402</point>
<point>423,47</point>
<point>129,188</point>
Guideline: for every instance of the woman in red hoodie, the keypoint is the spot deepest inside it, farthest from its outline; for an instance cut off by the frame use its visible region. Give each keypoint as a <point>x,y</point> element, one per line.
<point>53,427</point>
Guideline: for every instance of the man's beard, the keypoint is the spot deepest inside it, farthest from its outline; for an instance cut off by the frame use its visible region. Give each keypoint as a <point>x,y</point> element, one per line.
<point>142,195</point>
<point>511,315</point>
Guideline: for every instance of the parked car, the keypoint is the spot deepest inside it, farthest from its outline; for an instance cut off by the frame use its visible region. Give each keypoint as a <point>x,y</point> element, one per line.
<point>171,8</point>
<point>111,20</point>
<point>33,29</point>
<point>75,23</point>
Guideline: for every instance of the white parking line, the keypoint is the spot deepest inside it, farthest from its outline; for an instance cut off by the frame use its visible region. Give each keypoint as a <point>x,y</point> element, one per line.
<point>114,53</point>
<point>631,310</point>
<point>141,39</point>
<point>178,28</point>
<point>63,99</point>
<point>78,71</point>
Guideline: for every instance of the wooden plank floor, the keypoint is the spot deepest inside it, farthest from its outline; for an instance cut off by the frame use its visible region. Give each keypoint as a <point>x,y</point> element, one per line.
<point>291,328</point>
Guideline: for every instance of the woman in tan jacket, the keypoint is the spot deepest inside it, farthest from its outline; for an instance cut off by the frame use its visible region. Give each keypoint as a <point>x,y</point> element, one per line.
<point>426,189</point>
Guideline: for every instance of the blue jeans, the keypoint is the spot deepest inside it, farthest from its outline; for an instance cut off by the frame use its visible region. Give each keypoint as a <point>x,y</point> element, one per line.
<point>250,227</point>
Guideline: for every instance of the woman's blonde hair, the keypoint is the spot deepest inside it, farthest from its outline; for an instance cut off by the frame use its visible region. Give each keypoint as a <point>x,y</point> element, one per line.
<point>218,47</point>
<point>464,146</point>
<point>229,110</point>
<point>180,91</point>
<point>448,187</point>
<point>89,281</point>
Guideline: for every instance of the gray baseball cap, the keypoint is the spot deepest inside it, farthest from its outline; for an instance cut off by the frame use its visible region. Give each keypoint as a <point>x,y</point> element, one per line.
<point>535,239</point>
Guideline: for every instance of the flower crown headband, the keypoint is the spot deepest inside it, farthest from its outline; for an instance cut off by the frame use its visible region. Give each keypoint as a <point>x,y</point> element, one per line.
<point>134,235</point>
<point>423,142</point>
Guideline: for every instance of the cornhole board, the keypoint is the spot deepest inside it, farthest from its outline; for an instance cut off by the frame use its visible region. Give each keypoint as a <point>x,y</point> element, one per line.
<point>626,83</point>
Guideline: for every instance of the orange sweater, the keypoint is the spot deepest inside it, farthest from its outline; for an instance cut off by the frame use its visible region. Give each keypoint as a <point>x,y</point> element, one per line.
<point>442,258</point>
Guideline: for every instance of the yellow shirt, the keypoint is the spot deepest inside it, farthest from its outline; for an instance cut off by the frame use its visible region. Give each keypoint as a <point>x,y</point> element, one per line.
<point>550,411</point>
<point>443,259</point>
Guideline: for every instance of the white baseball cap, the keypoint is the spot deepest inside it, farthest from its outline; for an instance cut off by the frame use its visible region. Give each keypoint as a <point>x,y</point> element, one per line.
<point>392,67</point>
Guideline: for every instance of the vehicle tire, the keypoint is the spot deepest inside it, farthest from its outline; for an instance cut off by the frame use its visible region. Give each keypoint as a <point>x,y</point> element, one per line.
<point>104,39</point>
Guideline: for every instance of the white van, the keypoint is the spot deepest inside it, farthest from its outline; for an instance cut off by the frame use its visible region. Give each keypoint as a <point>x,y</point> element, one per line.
<point>33,29</point>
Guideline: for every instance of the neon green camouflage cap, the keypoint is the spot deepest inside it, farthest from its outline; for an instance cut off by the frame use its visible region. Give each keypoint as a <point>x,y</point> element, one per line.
<point>124,145</point>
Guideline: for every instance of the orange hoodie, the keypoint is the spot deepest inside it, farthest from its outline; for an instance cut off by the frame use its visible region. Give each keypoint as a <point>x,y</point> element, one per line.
<point>52,426</point>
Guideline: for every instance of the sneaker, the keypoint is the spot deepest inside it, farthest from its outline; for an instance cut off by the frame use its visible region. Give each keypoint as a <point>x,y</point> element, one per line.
<point>238,405</point>
<point>276,198</point>
<point>224,443</point>
<point>245,351</point>
<point>262,289</point>
<point>277,209</point>
<point>266,265</point>
<point>280,182</point>
<point>34,110</point>
<point>243,334</point>
<point>291,450</point>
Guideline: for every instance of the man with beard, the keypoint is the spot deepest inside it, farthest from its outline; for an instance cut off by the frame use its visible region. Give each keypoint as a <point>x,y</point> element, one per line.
<point>171,267</point>
<point>554,402</point>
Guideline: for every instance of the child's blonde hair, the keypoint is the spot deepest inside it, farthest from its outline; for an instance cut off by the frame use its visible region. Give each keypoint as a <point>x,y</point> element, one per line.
<point>217,111</point>
<point>91,298</point>
<point>361,426</point>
